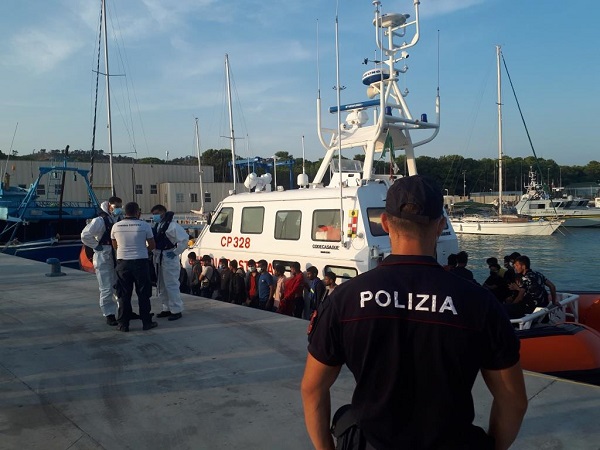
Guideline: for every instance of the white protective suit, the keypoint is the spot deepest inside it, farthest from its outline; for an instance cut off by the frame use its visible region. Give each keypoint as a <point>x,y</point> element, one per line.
<point>103,261</point>
<point>167,270</point>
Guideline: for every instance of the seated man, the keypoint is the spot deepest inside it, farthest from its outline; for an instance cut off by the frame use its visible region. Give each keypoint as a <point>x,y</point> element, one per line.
<point>531,290</point>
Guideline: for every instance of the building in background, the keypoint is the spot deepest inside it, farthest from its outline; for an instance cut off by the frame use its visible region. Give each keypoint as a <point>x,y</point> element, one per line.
<point>175,186</point>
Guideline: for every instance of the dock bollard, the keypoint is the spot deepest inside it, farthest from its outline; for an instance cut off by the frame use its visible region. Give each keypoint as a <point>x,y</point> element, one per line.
<point>54,267</point>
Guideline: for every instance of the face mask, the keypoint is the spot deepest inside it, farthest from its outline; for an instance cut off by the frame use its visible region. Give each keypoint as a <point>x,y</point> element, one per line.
<point>252,269</point>
<point>156,218</point>
<point>222,266</point>
<point>259,269</point>
<point>117,211</point>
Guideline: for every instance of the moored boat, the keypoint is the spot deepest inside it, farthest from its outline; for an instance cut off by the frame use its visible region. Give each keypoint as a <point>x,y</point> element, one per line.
<point>334,224</point>
<point>47,221</point>
<point>574,211</point>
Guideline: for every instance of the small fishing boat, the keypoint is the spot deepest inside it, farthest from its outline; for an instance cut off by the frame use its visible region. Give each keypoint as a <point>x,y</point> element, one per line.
<point>44,221</point>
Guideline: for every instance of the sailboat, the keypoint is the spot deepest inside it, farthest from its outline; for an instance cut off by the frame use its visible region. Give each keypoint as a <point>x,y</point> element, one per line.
<point>502,224</point>
<point>86,253</point>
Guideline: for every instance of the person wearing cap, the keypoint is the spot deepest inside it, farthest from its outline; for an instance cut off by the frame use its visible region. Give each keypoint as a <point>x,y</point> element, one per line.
<point>415,337</point>
<point>96,235</point>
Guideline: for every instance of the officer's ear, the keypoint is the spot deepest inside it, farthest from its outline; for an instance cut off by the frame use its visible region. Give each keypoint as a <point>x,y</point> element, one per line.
<point>384,223</point>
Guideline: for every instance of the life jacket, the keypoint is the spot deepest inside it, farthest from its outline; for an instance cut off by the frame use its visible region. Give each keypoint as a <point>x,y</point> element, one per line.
<point>108,224</point>
<point>161,240</point>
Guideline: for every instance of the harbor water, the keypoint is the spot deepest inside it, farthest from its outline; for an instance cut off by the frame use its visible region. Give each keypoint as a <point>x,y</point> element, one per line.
<point>570,258</point>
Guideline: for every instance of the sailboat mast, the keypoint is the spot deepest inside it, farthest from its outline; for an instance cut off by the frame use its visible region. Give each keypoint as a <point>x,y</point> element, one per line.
<point>232,134</point>
<point>199,168</point>
<point>107,77</point>
<point>498,53</point>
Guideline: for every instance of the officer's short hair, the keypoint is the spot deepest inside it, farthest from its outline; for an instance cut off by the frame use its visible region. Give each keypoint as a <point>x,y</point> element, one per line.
<point>114,200</point>
<point>132,209</point>
<point>192,255</point>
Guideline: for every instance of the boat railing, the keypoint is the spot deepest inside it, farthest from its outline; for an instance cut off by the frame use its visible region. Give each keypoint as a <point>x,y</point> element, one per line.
<point>567,310</point>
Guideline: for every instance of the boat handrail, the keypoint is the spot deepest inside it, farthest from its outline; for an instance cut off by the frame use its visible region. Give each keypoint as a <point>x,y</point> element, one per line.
<point>566,300</point>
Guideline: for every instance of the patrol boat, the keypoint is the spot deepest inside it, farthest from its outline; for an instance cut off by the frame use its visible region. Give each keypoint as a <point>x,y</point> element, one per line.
<point>334,226</point>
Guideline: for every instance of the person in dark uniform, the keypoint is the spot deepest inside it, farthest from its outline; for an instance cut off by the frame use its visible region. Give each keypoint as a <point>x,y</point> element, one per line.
<point>415,337</point>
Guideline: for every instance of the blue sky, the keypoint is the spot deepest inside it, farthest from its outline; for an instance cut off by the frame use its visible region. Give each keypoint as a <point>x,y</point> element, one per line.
<point>172,52</point>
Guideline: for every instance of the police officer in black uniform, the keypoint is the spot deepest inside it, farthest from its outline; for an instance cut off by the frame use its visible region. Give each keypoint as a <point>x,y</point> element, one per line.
<point>414,336</point>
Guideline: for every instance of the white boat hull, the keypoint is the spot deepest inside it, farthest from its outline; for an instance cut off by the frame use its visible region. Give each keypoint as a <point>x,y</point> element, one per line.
<point>491,227</point>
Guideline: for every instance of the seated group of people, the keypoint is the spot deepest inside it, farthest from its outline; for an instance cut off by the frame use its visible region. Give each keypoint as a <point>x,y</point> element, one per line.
<point>515,285</point>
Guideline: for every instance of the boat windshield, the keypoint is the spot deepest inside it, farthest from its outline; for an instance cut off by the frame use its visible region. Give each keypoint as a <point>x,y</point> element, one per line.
<point>348,166</point>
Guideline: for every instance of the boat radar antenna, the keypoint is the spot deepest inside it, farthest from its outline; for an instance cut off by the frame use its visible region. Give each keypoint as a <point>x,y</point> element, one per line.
<point>384,121</point>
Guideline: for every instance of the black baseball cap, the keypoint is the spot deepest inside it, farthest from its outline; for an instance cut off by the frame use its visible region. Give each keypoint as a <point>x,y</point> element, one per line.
<point>420,191</point>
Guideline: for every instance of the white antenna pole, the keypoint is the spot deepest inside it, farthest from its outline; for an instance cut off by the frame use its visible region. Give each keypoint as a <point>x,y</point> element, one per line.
<point>107,77</point>
<point>339,116</point>
<point>498,53</point>
<point>199,167</point>
<point>232,134</point>
<point>303,158</point>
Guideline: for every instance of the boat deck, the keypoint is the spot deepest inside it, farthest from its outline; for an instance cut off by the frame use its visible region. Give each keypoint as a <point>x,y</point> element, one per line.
<point>223,376</point>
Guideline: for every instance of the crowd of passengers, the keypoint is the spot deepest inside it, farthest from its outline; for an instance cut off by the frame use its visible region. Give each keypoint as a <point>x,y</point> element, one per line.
<point>515,285</point>
<point>296,295</point>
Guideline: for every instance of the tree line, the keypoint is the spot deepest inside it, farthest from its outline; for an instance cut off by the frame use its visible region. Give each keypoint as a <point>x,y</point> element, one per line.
<point>455,173</point>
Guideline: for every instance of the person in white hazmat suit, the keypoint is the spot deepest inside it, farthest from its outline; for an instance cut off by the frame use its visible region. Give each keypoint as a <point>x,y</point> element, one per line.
<point>96,235</point>
<point>171,241</point>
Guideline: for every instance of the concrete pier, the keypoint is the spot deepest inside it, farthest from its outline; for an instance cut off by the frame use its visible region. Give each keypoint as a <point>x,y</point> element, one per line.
<point>222,377</point>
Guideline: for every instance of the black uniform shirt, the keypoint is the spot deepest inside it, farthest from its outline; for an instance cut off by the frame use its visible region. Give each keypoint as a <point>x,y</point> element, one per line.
<point>414,336</point>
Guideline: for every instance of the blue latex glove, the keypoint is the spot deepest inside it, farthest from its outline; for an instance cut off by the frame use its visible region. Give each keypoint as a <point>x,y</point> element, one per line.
<point>99,248</point>
<point>170,255</point>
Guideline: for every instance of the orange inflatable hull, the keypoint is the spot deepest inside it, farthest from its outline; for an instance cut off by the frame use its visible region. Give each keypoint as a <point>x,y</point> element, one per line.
<point>589,309</point>
<point>569,350</point>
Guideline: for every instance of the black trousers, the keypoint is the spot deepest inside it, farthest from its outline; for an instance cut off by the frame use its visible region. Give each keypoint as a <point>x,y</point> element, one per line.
<point>129,273</point>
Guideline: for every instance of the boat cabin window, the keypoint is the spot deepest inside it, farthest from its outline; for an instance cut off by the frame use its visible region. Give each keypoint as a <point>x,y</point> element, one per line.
<point>41,189</point>
<point>538,206</point>
<point>287,225</point>
<point>374,215</point>
<point>348,165</point>
<point>285,264</point>
<point>326,225</point>
<point>342,273</point>
<point>222,223</point>
<point>557,204</point>
<point>253,220</point>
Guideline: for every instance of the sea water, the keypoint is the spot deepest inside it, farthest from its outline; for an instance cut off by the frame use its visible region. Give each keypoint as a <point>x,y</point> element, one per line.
<point>570,257</point>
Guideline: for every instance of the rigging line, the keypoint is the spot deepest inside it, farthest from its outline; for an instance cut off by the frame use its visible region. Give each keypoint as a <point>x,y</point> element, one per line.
<point>537,162</point>
<point>126,115</point>
<point>11,147</point>
<point>95,121</point>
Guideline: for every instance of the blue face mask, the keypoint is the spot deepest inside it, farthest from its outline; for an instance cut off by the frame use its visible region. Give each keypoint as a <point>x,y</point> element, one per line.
<point>117,211</point>
<point>156,218</point>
